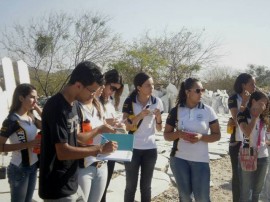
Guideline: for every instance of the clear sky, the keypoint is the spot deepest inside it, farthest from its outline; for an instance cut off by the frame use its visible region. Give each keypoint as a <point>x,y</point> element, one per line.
<point>241,26</point>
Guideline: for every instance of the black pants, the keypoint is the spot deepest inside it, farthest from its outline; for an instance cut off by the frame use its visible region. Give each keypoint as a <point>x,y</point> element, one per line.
<point>234,152</point>
<point>110,166</point>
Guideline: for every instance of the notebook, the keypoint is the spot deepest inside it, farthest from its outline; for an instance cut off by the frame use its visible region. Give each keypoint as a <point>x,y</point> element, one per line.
<point>125,147</point>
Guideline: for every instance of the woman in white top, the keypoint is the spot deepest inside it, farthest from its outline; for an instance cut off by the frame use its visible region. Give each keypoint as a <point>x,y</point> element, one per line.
<point>92,172</point>
<point>187,125</point>
<point>113,87</point>
<point>20,127</point>
<point>143,112</point>
<point>253,121</point>
<point>244,85</point>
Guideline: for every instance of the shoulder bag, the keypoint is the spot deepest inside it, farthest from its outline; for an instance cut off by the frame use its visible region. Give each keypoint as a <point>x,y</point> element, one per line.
<point>248,155</point>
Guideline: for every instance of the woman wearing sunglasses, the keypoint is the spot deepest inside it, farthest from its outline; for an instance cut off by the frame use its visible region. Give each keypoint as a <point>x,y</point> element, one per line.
<point>244,85</point>
<point>113,89</point>
<point>187,126</point>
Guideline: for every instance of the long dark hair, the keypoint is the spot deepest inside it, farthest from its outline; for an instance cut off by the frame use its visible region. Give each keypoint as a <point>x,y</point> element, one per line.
<point>97,105</point>
<point>113,76</point>
<point>139,80</point>
<point>257,95</point>
<point>21,90</point>
<point>185,85</point>
<point>243,78</point>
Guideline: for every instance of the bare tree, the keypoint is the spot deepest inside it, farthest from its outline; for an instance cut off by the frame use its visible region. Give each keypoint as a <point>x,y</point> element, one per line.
<point>221,78</point>
<point>58,42</point>
<point>168,58</point>
<point>186,53</point>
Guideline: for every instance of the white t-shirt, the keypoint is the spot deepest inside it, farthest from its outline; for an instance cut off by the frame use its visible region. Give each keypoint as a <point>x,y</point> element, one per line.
<point>246,117</point>
<point>109,110</point>
<point>196,120</point>
<point>144,136</point>
<point>92,115</point>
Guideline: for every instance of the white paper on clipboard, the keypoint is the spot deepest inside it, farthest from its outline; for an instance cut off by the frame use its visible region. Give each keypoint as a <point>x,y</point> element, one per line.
<point>125,147</point>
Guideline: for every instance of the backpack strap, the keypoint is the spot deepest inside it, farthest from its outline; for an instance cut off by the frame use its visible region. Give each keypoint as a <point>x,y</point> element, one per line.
<point>175,142</point>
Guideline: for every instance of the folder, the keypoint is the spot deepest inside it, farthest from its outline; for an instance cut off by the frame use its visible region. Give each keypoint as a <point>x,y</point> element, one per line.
<point>125,147</point>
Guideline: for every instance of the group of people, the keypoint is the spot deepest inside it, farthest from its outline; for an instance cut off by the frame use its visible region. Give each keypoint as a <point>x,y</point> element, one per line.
<point>68,168</point>
<point>249,108</point>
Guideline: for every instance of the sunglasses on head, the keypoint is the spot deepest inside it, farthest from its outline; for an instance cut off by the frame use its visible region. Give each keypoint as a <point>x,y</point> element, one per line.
<point>198,90</point>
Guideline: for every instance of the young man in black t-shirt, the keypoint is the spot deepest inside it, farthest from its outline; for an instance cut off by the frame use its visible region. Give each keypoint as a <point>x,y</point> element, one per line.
<point>59,150</point>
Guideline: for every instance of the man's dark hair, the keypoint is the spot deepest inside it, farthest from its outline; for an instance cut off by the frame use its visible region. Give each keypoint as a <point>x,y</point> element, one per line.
<point>86,73</point>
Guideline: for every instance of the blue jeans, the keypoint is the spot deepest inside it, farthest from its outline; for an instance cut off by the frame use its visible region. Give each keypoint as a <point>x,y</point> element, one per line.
<point>253,180</point>
<point>191,177</point>
<point>266,186</point>
<point>146,159</point>
<point>22,181</point>
<point>92,181</point>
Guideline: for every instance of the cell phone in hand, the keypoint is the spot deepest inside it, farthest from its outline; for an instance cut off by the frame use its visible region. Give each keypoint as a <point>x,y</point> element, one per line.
<point>189,133</point>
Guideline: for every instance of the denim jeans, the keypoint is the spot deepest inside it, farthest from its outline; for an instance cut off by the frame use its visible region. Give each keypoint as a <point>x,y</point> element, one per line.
<point>191,177</point>
<point>110,166</point>
<point>266,187</point>
<point>146,159</point>
<point>234,152</point>
<point>22,181</point>
<point>253,180</point>
<point>92,181</point>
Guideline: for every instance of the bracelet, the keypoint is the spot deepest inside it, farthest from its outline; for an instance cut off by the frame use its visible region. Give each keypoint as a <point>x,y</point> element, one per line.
<point>159,122</point>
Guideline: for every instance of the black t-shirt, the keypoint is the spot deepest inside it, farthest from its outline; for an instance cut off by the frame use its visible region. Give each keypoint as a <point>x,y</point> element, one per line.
<point>59,125</point>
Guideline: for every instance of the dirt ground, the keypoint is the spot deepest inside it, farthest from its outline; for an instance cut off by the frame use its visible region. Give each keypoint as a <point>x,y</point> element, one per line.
<point>221,180</point>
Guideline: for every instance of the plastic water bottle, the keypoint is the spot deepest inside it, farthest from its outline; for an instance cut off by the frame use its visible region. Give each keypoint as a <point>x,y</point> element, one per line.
<point>37,149</point>
<point>86,127</point>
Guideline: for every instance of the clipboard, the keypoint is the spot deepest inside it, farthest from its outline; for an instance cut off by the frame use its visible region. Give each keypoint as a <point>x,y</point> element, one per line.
<point>125,147</point>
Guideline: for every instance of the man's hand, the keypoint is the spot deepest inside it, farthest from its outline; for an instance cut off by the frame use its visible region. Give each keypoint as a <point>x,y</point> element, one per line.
<point>109,147</point>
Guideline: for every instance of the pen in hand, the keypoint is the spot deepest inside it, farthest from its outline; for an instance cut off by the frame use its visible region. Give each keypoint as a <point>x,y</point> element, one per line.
<point>104,138</point>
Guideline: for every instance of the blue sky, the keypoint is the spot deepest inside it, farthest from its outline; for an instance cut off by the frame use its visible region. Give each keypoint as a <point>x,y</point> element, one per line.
<point>242,27</point>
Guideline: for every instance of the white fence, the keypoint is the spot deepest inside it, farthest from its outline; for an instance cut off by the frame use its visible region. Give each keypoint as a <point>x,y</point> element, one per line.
<point>10,84</point>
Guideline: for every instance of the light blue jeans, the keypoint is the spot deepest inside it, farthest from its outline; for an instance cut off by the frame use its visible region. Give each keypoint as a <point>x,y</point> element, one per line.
<point>92,181</point>
<point>22,181</point>
<point>253,180</point>
<point>191,177</point>
<point>266,188</point>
